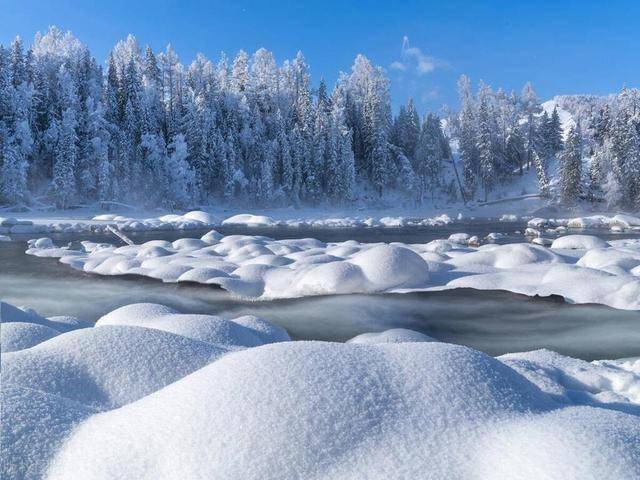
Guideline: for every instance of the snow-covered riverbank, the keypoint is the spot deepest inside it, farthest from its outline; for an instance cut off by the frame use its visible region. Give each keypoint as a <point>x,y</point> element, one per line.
<point>150,393</point>
<point>580,268</point>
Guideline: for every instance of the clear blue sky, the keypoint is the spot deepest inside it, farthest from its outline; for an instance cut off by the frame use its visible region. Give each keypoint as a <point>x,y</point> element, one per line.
<point>561,46</point>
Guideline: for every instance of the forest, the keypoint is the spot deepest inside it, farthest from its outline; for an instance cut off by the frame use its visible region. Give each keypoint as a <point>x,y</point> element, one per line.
<point>148,130</point>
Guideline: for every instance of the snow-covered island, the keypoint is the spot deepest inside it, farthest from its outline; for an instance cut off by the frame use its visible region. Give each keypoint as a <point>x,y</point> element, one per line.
<point>580,268</point>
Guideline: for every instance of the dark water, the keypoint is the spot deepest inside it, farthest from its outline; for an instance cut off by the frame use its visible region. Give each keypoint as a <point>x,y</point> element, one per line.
<point>492,321</point>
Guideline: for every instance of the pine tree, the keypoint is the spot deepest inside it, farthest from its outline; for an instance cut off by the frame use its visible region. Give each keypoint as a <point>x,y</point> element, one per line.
<point>555,132</point>
<point>64,183</point>
<point>486,145</point>
<point>467,134</point>
<point>571,168</point>
<point>429,156</point>
<point>530,107</point>
<point>180,176</point>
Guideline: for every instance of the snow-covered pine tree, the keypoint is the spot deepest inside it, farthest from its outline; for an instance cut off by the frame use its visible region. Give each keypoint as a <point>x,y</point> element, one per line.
<point>530,107</point>
<point>429,156</point>
<point>486,143</point>
<point>555,132</point>
<point>180,175</point>
<point>571,167</point>
<point>467,134</point>
<point>64,183</point>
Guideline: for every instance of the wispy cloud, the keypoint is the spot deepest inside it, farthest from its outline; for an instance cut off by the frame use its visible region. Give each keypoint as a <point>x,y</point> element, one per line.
<point>413,59</point>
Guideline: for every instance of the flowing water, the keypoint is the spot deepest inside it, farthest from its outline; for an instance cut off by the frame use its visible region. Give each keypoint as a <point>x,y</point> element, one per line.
<point>492,321</point>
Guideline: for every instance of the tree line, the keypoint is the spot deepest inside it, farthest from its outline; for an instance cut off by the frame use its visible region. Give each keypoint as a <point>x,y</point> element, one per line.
<point>147,129</point>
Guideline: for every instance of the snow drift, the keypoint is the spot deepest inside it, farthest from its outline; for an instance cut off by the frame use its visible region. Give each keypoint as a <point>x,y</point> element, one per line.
<point>132,398</point>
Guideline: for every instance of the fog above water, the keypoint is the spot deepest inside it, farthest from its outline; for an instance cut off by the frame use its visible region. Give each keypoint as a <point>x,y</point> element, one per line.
<point>494,322</point>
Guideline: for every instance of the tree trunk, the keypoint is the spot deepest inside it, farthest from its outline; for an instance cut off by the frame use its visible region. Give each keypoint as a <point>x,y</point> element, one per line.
<point>455,169</point>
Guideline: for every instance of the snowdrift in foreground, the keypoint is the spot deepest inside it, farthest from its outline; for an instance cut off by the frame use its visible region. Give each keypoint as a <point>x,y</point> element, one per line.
<point>151,394</point>
<point>581,268</point>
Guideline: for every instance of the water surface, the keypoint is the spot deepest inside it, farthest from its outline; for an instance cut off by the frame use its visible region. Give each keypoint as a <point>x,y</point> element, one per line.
<point>491,321</point>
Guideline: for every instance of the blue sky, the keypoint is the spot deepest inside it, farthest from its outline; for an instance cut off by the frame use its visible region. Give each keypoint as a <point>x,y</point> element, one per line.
<point>561,46</point>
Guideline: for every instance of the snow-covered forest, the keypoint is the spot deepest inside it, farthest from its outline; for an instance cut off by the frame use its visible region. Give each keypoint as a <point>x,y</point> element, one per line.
<point>148,130</point>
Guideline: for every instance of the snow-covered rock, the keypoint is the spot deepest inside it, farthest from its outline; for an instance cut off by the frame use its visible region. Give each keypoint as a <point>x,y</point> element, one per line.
<point>249,220</point>
<point>459,238</point>
<point>545,242</point>
<point>578,242</point>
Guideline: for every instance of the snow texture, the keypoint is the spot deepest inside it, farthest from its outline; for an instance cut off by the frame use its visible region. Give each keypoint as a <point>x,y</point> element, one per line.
<point>138,396</point>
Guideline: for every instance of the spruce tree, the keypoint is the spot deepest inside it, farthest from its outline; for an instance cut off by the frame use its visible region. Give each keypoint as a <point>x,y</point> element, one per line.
<point>571,168</point>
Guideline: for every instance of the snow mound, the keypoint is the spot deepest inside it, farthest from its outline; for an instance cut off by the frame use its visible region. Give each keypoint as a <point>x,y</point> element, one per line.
<point>393,335</point>
<point>578,242</point>
<point>20,335</point>
<point>10,314</point>
<point>106,367</point>
<point>248,332</point>
<point>250,220</point>
<point>312,409</point>
<point>127,399</point>
<point>391,266</point>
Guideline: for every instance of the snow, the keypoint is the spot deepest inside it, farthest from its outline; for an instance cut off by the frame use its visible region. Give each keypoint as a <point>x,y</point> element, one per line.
<point>19,335</point>
<point>139,396</point>
<point>242,332</point>
<point>578,242</point>
<point>620,222</point>
<point>250,220</point>
<point>393,335</point>
<point>580,268</point>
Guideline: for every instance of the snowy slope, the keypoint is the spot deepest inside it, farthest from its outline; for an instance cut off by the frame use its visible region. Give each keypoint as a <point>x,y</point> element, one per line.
<point>566,118</point>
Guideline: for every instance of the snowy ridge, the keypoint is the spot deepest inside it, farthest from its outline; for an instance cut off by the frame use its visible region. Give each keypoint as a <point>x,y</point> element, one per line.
<point>581,268</point>
<point>99,403</point>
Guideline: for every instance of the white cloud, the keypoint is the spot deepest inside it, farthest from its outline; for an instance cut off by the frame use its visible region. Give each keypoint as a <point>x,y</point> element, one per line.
<point>415,60</point>
<point>397,65</point>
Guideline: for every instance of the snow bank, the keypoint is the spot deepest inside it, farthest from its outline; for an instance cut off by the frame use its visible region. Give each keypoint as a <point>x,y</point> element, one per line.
<point>199,219</point>
<point>581,268</point>
<point>130,399</point>
<point>618,222</point>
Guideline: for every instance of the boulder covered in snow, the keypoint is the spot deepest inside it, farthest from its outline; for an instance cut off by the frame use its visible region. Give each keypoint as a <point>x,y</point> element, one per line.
<point>578,242</point>
<point>249,220</point>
